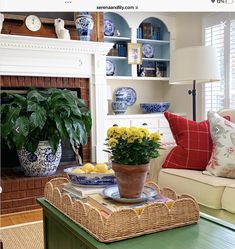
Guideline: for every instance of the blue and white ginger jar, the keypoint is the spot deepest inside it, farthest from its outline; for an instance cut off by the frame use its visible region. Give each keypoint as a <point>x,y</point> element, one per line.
<point>119,107</point>
<point>84,25</point>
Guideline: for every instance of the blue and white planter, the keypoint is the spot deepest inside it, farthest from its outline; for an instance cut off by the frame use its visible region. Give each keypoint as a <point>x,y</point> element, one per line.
<point>84,25</point>
<point>42,162</point>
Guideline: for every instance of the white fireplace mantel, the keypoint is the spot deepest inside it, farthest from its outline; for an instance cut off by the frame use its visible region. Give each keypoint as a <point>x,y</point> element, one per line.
<point>35,56</point>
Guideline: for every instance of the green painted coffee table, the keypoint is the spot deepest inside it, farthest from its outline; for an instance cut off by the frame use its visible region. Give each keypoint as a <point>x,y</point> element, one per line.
<point>62,233</point>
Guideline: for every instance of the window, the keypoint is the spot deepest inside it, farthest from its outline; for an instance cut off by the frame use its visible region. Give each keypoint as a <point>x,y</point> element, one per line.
<point>219,32</point>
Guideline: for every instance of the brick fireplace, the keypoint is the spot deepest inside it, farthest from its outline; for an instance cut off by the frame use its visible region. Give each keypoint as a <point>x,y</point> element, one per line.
<point>43,63</point>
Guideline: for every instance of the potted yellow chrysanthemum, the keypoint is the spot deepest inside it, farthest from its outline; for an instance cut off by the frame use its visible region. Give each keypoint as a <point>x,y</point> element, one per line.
<point>131,150</point>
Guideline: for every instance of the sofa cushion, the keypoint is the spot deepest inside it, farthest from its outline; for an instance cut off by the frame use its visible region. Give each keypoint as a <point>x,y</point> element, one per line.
<point>207,190</point>
<point>228,198</point>
<point>194,144</point>
<point>222,161</point>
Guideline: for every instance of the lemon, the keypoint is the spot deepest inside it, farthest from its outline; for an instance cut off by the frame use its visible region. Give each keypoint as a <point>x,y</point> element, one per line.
<point>88,167</point>
<point>101,167</point>
<point>78,170</point>
<point>110,171</point>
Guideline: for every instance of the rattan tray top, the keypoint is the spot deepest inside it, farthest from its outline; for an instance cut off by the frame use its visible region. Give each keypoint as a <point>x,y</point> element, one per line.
<point>125,223</point>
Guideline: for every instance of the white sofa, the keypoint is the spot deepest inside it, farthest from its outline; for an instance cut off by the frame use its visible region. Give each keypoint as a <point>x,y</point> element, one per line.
<point>210,191</point>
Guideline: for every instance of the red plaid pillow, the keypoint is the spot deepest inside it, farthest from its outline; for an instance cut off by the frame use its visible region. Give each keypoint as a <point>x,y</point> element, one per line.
<point>194,144</point>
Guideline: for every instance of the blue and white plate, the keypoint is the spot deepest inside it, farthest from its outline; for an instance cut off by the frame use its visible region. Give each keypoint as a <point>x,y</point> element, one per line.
<point>110,68</point>
<point>128,95</point>
<point>113,193</point>
<point>147,51</point>
<point>109,27</point>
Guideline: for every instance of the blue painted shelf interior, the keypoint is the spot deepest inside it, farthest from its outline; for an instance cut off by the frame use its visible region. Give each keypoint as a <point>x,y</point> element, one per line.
<point>122,68</point>
<point>154,32</point>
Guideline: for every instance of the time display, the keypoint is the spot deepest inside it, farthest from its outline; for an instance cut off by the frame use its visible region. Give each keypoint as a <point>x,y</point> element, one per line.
<point>33,23</point>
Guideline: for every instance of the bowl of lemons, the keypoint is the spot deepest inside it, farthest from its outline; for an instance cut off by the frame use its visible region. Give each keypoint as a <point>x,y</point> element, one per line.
<point>91,175</point>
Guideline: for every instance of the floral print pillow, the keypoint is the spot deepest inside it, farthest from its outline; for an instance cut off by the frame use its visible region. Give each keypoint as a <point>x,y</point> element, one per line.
<point>222,161</point>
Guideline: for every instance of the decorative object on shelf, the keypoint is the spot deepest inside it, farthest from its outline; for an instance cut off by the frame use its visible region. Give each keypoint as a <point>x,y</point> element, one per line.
<point>122,49</point>
<point>127,94</point>
<point>147,50</point>
<point>43,162</point>
<point>118,33</point>
<point>1,21</point>
<point>109,27</point>
<point>113,193</point>
<point>89,179</point>
<point>154,107</point>
<point>43,115</point>
<point>33,23</point>
<point>156,33</point>
<point>119,106</point>
<point>134,53</point>
<point>140,71</point>
<point>158,72</point>
<point>149,68</point>
<point>131,150</point>
<point>84,25</point>
<point>196,64</point>
<point>61,32</point>
<point>110,68</point>
<point>147,27</point>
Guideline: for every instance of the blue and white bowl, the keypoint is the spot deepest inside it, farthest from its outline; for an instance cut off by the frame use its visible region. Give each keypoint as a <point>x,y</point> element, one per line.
<point>154,107</point>
<point>90,179</point>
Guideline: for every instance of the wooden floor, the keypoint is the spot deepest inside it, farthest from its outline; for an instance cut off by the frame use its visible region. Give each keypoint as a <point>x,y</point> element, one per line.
<point>20,217</point>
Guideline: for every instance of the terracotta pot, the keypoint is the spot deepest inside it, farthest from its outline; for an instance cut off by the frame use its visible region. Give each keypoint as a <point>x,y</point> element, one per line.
<point>130,179</point>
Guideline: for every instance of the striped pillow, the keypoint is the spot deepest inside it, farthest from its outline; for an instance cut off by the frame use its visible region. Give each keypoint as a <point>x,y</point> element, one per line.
<point>194,143</point>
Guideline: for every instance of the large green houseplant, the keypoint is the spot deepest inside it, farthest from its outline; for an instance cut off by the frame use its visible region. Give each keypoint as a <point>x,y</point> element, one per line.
<point>43,118</point>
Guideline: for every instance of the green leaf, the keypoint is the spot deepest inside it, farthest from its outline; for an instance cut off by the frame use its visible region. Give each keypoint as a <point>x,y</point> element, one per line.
<point>80,129</point>
<point>60,126</point>
<point>54,141</point>
<point>21,126</point>
<point>35,95</point>
<point>38,118</point>
<point>9,121</point>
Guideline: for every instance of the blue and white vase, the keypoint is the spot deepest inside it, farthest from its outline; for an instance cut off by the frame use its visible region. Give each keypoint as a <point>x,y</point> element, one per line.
<point>84,25</point>
<point>42,162</point>
<point>119,107</point>
<point>120,96</point>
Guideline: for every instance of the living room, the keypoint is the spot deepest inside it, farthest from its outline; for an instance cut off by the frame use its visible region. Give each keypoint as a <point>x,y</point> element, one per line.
<point>80,65</point>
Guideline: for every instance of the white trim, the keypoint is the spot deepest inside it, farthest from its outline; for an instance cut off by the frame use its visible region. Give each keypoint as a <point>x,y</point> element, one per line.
<point>35,56</point>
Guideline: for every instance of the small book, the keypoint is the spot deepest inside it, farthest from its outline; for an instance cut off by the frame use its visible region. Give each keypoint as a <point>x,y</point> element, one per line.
<point>108,205</point>
<point>80,192</point>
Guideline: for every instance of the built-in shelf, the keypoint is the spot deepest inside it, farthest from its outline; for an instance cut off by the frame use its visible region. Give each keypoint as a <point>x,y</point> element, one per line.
<point>154,59</point>
<point>157,42</point>
<point>137,78</point>
<point>116,57</point>
<point>116,38</point>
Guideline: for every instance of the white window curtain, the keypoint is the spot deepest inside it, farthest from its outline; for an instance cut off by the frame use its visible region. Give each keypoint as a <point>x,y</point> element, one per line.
<point>219,32</point>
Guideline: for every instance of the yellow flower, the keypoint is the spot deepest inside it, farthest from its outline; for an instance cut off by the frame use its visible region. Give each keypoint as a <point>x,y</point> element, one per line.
<point>144,133</point>
<point>156,136</point>
<point>112,142</point>
<point>131,140</point>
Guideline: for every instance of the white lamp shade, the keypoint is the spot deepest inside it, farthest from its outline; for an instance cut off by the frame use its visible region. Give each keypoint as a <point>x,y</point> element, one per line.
<point>194,63</point>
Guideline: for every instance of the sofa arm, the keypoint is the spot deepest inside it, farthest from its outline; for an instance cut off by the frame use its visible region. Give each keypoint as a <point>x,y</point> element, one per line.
<point>156,163</point>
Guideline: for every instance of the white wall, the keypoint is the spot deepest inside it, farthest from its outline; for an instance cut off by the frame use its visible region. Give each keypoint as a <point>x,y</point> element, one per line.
<point>188,33</point>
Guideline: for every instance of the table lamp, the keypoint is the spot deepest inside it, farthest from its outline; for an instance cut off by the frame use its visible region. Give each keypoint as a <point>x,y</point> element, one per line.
<point>194,65</point>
